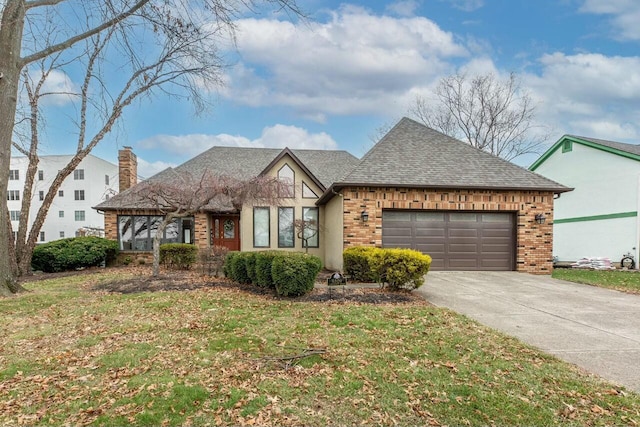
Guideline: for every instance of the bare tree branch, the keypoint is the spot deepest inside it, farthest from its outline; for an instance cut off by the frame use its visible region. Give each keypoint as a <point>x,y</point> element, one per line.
<point>496,116</point>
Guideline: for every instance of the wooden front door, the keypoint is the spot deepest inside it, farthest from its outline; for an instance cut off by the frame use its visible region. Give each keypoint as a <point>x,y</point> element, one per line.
<point>225,231</point>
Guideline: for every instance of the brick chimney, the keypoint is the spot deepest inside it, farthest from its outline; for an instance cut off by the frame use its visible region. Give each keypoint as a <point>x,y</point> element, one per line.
<point>127,169</point>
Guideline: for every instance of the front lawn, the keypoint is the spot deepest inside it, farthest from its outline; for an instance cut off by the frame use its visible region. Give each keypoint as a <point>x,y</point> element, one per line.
<point>625,281</point>
<point>224,356</point>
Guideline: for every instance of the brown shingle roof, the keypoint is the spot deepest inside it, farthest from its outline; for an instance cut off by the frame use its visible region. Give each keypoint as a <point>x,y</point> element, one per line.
<point>414,155</point>
<point>326,166</point>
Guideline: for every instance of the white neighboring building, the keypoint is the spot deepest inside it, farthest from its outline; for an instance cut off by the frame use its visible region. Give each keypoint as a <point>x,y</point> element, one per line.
<point>599,218</point>
<point>93,181</point>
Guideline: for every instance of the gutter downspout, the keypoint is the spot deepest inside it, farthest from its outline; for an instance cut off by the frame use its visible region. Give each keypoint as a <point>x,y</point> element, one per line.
<point>636,250</point>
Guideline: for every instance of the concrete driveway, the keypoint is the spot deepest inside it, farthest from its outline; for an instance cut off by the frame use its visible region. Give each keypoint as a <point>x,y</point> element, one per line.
<point>596,329</point>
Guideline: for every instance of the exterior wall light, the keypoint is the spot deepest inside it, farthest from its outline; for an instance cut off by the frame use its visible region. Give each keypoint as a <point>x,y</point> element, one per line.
<point>540,218</point>
<point>364,215</point>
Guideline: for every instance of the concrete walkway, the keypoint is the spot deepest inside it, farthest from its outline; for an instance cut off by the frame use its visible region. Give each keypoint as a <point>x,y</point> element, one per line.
<point>594,328</point>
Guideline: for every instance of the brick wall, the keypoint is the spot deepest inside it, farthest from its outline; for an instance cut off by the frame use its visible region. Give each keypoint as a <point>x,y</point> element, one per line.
<point>534,241</point>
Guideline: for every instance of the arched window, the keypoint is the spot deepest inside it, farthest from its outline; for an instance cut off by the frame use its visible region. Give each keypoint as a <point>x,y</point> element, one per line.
<point>286,176</point>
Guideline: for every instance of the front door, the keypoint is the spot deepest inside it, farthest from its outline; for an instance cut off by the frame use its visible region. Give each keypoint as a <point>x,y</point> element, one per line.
<point>226,231</point>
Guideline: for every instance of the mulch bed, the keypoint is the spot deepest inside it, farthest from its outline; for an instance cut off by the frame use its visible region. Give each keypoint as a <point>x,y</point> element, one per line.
<point>192,280</point>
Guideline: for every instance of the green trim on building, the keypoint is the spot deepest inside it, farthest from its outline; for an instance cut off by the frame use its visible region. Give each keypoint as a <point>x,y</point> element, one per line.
<point>596,217</point>
<point>561,143</point>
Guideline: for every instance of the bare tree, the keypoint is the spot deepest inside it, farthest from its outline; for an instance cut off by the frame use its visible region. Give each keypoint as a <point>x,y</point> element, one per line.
<point>494,115</point>
<point>128,49</point>
<point>181,195</point>
<point>306,229</point>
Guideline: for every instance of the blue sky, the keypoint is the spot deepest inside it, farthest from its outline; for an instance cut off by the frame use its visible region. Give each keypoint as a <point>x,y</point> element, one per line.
<point>332,81</point>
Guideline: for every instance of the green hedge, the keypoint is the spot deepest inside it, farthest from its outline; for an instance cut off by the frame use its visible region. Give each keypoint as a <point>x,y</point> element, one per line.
<point>288,273</point>
<point>73,253</point>
<point>178,255</point>
<point>397,268</point>
<point>264,261</point>
<point>295,274</point>
<point>357,263</point>
<point>228,263</point>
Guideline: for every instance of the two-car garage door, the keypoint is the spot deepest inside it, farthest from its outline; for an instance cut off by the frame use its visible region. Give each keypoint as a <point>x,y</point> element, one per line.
<point>454,240</point>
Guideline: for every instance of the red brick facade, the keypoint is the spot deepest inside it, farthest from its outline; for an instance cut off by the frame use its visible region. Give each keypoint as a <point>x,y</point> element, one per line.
<point>534,241</point>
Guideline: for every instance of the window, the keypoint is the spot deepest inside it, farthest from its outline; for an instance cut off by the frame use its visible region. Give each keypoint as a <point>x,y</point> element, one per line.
<point>15,215</point>
<point>60,214</point>
<point>311,227</point>
<point>78,194</point>
<point>136,232</point>
<point>261,221</point>
<point>14,174</point>
<point>41,175</point>
<point>60,193</point>
<point>286,176</point>
<point>285,228</point>
<point>307,192</point>
<point>567,145</point>
<point>13,195</point>
<point>62,234</point>
<point>78,174</point>
<point>42,236</point>
<point>106,180</point>
<point>79,215</point>
<point>41,195</point>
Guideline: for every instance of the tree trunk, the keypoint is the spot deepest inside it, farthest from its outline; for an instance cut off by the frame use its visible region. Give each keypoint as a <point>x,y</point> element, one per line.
<point>156,243</point>
<point>11,28</point>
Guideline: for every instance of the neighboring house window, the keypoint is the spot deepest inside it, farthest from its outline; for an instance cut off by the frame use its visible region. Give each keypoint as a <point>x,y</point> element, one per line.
<point>41,195</point>
<point>42,236</point>
<point>287,178</point>
<point>261,220</point>
<point>15,215</point>
<point>312,226</point>
<point>567,146</point>
<point>136,232</point>
<point>78,174</point>
<point>40,175</point>
<point>62,234</point>
<point>60,193</point>
<point>14,174</point>
<point>307,192</point>
<point>60,214</point>
<point>285,228</point>
<point>79,194</point>
<point>79,215</point>
<point>106,180</point>
<point>13,195</point>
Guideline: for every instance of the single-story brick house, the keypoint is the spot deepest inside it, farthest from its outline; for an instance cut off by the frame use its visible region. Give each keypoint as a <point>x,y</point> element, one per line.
<point>416,188</point>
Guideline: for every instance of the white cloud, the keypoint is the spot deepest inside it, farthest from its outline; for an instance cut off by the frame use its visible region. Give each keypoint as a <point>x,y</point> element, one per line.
<point>589,94</point>
<point>277,136</point>
<point>625,15</point>
<point>148,169</point>
<point>466,5</point>
<point>402,7</point>
<point>355,63</point>
<point>60,89</point>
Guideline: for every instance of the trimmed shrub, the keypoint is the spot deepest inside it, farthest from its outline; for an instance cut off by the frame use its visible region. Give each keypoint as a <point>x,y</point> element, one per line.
<point>239,266</point>
<point>73,253</point>
<point>359,263</point>
<point>401,268</point>
<point>179,256</point>
<point>227,268</point>
<point>250,265</point>
<point>264,261</point>
<point>294,274</point>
